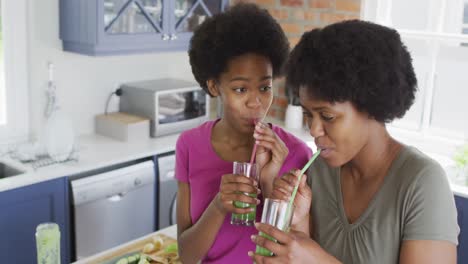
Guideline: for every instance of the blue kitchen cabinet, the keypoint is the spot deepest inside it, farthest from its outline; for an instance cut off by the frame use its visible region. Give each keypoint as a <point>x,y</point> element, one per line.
<point>109,27</point>
<point>24,208</point>
<point>462,208</point>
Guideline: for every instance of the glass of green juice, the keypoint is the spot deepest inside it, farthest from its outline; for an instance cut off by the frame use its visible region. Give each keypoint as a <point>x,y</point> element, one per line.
<point>48,243</point>
<point>275,212</point>
<point>250,170</point>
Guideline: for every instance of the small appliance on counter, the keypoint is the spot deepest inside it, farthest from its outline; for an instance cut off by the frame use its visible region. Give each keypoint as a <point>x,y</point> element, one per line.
<point>172,105</point>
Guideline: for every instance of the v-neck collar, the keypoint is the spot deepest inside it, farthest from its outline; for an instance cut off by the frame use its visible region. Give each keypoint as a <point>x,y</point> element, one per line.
<point>210,143</point>
<point>396,164</point>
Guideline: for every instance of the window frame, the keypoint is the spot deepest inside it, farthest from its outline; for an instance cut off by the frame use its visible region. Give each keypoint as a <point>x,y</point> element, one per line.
<point>15,38</point>
<point>464,25</point>
<point>446,27</point>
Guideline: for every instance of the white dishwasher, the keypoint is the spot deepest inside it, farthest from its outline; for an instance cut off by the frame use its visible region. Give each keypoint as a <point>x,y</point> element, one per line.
<point>113,207</point>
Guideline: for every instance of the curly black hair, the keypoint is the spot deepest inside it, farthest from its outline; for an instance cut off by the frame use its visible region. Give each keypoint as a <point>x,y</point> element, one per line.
<point>243,28</point>
<point>357,61</point>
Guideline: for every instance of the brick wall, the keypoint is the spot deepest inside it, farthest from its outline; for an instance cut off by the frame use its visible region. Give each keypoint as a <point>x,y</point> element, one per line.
<point>298,16</point>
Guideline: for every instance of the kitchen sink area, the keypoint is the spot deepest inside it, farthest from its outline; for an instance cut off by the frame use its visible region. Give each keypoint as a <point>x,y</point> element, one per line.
<point>7,170</point>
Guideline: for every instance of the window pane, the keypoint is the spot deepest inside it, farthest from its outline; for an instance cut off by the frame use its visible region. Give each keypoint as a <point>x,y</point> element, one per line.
<point>404,14</point>
<point>188,22</point>
<point>154,9</point>
<point>450,104</point>
<point>2,75</point>
<point>465,14</point>
<point>420,53</point>
<point>111,9</point>
<point>132,19</point>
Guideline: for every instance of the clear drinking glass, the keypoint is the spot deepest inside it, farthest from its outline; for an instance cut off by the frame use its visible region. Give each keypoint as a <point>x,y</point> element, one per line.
<point>275,213</point>
<point>48,243</point>
<point>251,171</point>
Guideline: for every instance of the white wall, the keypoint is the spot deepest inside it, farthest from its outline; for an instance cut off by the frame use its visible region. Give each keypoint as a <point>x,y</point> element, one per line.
<point>83,82</point>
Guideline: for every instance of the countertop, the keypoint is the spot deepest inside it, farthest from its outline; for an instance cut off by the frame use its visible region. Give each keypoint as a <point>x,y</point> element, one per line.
<point>94,152</point>
<point>170,231</point>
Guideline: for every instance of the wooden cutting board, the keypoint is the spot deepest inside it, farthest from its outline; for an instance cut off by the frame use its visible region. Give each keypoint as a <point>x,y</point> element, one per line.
<point>130,249</point>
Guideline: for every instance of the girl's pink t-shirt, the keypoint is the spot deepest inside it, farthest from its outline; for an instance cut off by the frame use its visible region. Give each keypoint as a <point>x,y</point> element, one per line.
<point>198,165</point>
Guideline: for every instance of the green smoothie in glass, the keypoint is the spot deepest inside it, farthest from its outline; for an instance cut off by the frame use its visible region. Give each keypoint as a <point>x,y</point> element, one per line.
<point>48,243</point>
<point>275,213</point>
<point>249,170</point>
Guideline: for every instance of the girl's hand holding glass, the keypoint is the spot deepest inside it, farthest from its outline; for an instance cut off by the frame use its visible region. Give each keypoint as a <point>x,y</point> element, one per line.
<point>233,188</point>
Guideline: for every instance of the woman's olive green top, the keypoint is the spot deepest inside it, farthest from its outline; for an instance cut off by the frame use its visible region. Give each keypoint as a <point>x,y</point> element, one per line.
<point>414,203</point>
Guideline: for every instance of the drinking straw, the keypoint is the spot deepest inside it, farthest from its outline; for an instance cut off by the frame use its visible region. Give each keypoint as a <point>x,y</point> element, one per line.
<point>254,150</point>
<point>252,158</point>
<point>293,196</point>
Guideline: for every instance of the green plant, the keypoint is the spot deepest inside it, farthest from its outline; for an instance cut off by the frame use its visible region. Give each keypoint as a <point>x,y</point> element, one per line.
<point>461,157</point>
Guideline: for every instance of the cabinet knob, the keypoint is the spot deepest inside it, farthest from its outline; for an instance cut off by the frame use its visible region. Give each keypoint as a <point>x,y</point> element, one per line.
<point>173,36</point>
<point>165,37</point>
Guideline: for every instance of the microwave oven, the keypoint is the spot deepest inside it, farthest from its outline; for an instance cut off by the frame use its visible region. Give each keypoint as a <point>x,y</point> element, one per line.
<point>171,105</point>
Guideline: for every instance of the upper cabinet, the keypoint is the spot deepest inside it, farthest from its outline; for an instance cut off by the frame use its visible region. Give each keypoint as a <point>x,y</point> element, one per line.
<point>108,27</point>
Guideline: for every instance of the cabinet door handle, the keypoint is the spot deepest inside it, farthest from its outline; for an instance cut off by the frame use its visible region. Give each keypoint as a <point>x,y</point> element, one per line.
<point>173,36</point>
<point>165,37</point>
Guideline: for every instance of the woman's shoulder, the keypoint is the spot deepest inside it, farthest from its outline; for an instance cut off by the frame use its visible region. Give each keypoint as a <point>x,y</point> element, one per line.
<point>427,200</point>
<point>415,168</point>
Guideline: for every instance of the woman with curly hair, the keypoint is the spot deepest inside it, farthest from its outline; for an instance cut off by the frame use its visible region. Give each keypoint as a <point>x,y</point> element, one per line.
<point>234,56</point>
<point>368,198</point>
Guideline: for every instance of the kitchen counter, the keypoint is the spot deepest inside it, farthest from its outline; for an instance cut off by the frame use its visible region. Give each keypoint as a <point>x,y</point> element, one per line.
<point>170,231</point>
<point>95,152</point>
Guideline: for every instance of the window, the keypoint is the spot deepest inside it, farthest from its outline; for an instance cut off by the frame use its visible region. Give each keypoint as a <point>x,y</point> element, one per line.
<point>14,123</point>
<point>465,18</point>
<point>434,32</point>
<point>2,76</point>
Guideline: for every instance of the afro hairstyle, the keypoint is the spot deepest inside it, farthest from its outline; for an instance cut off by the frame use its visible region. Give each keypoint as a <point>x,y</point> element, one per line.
<point>244,28</point>
<point>356,61</point>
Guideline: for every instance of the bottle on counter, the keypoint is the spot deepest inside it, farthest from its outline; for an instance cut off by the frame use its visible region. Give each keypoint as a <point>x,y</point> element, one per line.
<point>48,243</point>
<point>59,133</point>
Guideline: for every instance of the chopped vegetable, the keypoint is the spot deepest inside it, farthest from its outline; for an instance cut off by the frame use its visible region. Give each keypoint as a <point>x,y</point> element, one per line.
<point>171,248</point>
<point>148,248</point>
<point>158,242</point>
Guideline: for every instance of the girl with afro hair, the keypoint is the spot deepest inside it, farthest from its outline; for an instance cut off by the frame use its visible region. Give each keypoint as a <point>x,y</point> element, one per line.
<point>234,56</point>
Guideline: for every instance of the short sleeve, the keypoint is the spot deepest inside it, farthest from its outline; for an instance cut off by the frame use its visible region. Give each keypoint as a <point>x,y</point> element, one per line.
<point>430,212</point>
<point>182,160</point>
